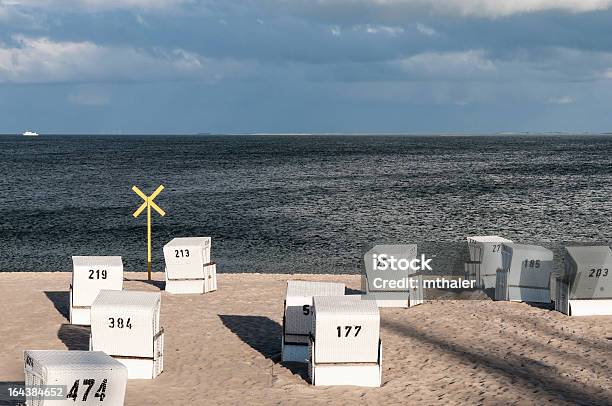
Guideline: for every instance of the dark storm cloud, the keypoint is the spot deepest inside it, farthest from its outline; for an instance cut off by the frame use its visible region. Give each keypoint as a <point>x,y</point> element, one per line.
<point>376,59</point>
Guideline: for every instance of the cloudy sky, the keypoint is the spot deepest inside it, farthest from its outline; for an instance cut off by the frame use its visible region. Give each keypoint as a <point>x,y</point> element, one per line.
<point>185,66</point>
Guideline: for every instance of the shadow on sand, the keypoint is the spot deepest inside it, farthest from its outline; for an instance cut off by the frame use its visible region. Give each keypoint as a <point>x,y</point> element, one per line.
<point>264,336</point>
<point>351,291</point>
<point>161,285</point>
<point>61,301</point>
<point>74,337</point>
<point>516,368</point>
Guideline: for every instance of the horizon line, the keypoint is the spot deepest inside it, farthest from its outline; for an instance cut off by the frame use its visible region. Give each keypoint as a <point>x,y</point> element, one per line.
<point>289,133</point>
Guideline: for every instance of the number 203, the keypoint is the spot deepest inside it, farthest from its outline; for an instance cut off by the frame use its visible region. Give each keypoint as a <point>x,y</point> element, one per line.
<point>596,273</point>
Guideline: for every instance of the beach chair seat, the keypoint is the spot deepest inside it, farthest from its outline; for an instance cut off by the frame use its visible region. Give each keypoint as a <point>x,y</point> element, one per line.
<point>126,325</point>
<point>90,275</point>
<point>205,283</point>
<point>486,250</point>
<point>188,266</point>
<point>394,298</point>
<point>345,346</point>
<point>87,378</point>
<point>584,288</point>
<point>525,273</point>
<point>297,316</point>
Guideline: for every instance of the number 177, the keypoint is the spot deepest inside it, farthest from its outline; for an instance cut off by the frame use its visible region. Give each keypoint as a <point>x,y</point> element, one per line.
<point>347,330</point>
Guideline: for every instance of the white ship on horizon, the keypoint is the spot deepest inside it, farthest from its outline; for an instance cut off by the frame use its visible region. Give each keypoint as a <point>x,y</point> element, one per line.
<point>30,134</point>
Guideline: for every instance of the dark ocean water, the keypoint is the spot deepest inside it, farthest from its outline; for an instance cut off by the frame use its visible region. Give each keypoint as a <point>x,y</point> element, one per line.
<point>296,203</point>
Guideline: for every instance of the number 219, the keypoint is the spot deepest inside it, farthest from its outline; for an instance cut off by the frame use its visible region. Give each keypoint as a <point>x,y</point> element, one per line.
<point>97,274</point>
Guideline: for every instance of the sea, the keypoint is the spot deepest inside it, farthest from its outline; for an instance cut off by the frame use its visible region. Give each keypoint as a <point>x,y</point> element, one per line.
<point>297,203</point>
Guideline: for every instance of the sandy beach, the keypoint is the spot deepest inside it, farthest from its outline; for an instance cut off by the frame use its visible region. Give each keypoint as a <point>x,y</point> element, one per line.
<point>224,347</point>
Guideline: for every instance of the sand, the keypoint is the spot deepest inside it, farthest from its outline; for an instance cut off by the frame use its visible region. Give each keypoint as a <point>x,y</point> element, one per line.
<point>224,347</point>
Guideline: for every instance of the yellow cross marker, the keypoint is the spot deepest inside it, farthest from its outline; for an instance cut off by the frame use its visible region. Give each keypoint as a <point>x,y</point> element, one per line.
<point>148,203</point>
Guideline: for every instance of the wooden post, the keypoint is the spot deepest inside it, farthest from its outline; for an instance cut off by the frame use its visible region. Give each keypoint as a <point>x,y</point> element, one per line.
<point>149,239</point>
<point>148,203</point>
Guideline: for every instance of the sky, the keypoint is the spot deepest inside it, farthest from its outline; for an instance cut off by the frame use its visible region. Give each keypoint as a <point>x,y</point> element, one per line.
<point>366,66</point>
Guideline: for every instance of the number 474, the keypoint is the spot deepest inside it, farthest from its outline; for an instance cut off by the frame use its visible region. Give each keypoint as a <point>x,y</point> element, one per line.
<point>89,383</point>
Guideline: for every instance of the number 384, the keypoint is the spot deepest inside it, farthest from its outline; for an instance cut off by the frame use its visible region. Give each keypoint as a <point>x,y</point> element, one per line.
<point>597,273</point>
<point>119,322</point>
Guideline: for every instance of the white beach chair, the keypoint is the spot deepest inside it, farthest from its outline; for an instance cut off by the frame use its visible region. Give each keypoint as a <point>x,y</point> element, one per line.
<point>88,378</point>
<point>487,251</point>
<point>393,298</point>
<point>525,273</point>
<point>585,286</point>
<point>125,324</point>
<point>188,266</point>
<point>91,274</point>
<point>345,347</point>
<point>297,317</point>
